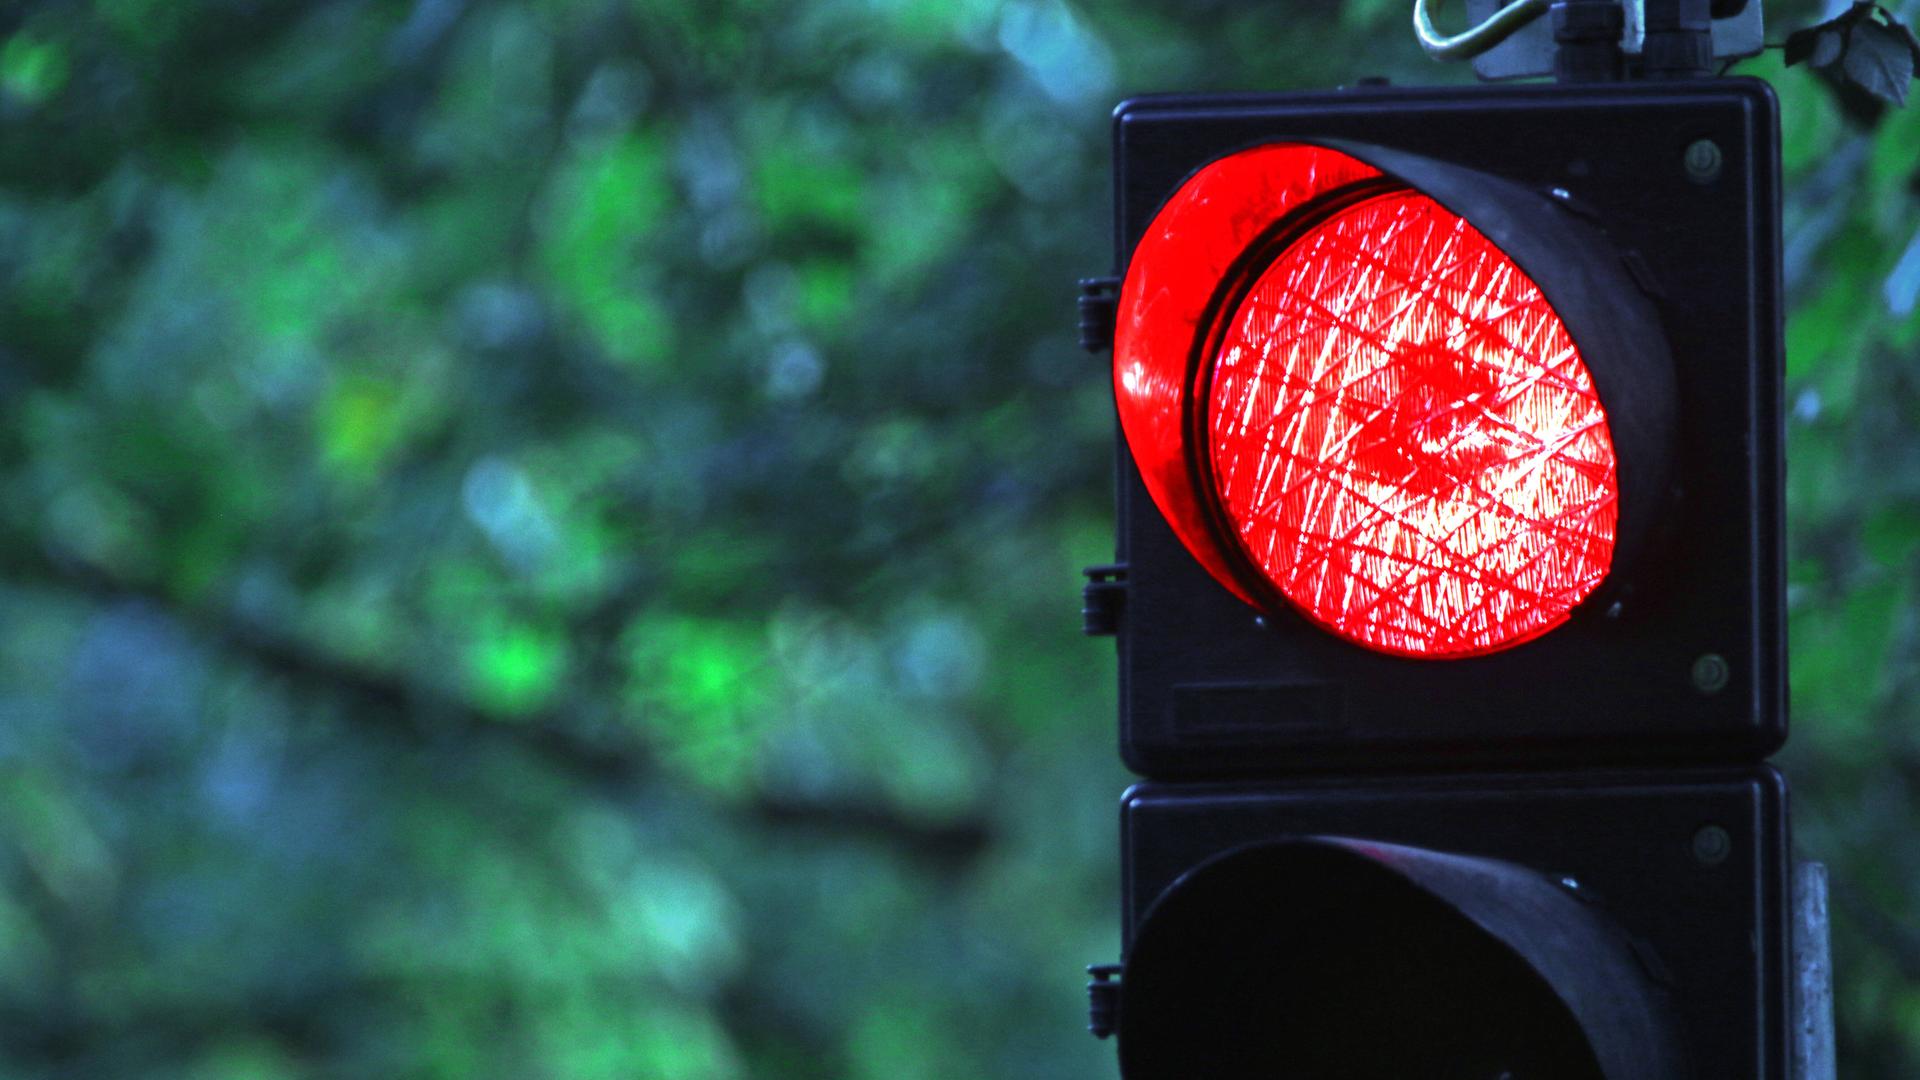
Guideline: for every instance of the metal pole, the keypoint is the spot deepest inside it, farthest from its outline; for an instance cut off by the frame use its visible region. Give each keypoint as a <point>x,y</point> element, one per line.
<point>1813,1055</point>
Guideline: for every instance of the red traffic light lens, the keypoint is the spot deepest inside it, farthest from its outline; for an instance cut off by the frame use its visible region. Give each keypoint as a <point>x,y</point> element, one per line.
<point>1193,244</point>
<point>1404,438</point>
<point>1340,393</point>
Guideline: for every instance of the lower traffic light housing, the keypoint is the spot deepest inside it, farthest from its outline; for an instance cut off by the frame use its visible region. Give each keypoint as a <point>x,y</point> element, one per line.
<point>1613,926</point>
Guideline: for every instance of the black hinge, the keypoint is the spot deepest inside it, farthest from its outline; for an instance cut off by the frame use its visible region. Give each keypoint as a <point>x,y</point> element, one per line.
<point>1099,306</point>
<point>1103,600</point>
<point>1103,999</point>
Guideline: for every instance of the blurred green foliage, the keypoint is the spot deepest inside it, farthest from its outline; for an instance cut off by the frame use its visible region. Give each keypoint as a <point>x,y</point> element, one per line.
<point>545,533</point>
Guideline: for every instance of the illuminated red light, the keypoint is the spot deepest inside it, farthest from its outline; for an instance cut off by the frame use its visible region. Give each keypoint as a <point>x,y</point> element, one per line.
<point>1405,439</point>
<point>1171,281</point>
<point>1401,437</point>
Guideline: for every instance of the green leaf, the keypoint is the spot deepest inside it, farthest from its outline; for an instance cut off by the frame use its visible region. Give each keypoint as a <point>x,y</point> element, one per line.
<point>1878,61</point>
<point>1801,44</point>
<point>31,70</point>
<point>600,214</point>
<point>1828,46</point>
<point>1891,536</point>
<point>515,669</point>
<point>1822,43</point>
<point>1838,657</point>
<point>701,688</point>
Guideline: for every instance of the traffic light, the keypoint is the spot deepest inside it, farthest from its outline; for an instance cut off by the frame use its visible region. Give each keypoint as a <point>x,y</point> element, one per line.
<point>1448,583</point>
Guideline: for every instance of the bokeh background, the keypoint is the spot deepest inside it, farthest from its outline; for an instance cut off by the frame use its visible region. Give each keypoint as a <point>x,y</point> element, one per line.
<point>542,538</point>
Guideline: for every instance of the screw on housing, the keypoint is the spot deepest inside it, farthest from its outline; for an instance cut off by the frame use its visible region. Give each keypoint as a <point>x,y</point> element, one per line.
<point>1703,161</point>
<point>1711,673</point>
<point>1712,845</point>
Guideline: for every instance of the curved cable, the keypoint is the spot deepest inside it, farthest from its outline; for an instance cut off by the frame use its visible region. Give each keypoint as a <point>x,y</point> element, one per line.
<point>1471,43</point>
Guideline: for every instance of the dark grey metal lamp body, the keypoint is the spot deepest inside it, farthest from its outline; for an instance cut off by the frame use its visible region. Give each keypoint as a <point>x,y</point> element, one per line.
<point>1619,757</point>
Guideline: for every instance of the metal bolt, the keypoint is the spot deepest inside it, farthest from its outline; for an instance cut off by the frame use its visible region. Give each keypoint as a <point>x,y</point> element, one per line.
<point>1712,845</point>
<point>1711,673</point>
<point>1703,161</point>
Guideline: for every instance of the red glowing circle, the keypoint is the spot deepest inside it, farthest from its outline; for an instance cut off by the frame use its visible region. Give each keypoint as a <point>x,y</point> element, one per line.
<point>1404,439</point>
<point>1172,277</point>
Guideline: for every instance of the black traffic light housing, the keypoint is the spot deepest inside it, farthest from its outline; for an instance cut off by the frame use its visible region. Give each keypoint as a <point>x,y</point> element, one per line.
<point>1681,655</point>
<point>1563,859</point>
<point>1674,901</point>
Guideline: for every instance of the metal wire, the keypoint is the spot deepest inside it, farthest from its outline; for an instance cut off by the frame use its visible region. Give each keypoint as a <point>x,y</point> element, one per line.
<point>1471,43</point>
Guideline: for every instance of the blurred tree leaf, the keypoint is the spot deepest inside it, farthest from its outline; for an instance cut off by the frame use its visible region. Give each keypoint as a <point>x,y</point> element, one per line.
<point>1880,60</point>
<point>1876,51</point>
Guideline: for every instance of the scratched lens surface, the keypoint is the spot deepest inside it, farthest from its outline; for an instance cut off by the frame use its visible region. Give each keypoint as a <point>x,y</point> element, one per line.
<point>1405,439</point>
<point>1194,242</point>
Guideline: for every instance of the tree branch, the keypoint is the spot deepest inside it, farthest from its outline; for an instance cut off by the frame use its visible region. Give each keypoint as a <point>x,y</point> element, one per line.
<point>558,737</point>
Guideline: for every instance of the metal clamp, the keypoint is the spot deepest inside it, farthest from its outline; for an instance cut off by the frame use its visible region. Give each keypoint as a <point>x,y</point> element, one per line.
<point>1103,999</point>
<point>1465,46</point>
<point>1103,600</point>
<point>1099,306</point>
